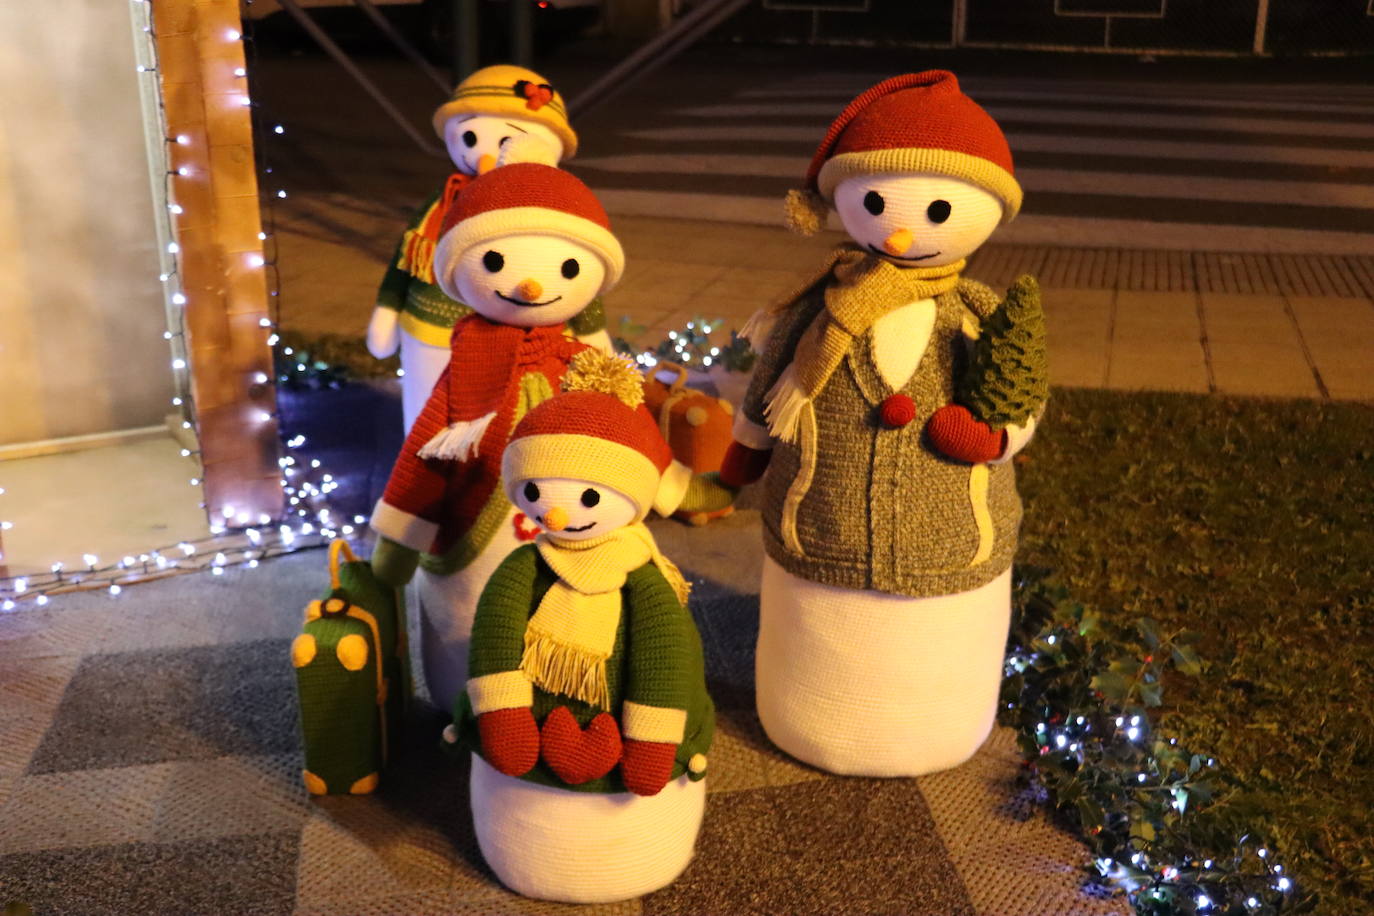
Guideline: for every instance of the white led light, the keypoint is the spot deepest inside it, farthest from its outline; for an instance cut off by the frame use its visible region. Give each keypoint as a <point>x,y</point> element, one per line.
<point>57,567</point>
<point>90,559</point>
<point>281,194</point>
<point>264,322</point>
<point>184,171</point>
<point>239,71</point>
<point>1133,733</point>
<point>1262,853</point>
<point>1203,901</point>
<point>195,482</point>
<point>220,559</point>
<point>262,236</point>
<point>233,35</point>
<point>176,208</point>
<point>8,605</point>
<point>401,373</point>
<point>42,600</point>
<point>187,549</point>
<point>218,570</point>
<point>264,416</point>
<point>1284,884</point>
<point>256,260</point>
<point>167,335</point>
<point>178,363</point>
<point>176,402</point>
<point>279,129</point>
<point>172,248</point>
<point>178,298</point>
<point>260,377</point>
<point>21,585</point>
<point>183,140</point>
<point>115,589</point>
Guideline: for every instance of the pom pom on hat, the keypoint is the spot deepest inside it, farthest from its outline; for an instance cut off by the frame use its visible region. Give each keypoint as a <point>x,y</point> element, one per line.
<point>593,370</point>
<point>805,211</point>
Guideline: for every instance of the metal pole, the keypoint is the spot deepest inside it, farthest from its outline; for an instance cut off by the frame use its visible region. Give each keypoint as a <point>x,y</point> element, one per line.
<point>522,32</point>
<point>405,47</point>
<point>1261,26</point>
<point>465,51</point>
<point>659,50</point>
<point>343,60</point>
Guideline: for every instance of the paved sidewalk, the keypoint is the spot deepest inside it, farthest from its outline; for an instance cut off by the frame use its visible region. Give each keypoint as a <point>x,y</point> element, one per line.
<point>1247,324</point>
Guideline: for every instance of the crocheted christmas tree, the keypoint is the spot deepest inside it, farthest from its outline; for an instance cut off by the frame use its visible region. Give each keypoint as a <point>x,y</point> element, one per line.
<point>1007,379</point>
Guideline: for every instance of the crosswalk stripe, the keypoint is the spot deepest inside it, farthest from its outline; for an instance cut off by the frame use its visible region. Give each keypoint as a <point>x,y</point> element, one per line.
<point>806,139</point>
<point>1209,187</point>
<point>1114,119</point>
<point>1028,230</point>
<point>1321,103</point>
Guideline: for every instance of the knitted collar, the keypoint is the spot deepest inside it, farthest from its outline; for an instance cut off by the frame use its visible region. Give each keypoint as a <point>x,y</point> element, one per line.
<point>865,288</point>
<point>572,634</point>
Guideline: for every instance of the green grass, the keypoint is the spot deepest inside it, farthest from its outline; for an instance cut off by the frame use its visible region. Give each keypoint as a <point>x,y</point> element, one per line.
<point>1251,522</point>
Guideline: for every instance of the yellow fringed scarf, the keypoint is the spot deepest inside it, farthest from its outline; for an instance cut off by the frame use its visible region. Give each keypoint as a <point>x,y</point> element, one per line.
<point>572,634</point>
<point>866,288</point>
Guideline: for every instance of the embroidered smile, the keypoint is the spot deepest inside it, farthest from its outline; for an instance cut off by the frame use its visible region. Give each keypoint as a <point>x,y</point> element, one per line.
<point>579,528</point>
<point>919,257</point>
<point>523,302</point>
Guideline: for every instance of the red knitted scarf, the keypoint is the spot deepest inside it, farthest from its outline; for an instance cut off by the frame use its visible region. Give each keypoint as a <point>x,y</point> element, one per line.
<point>488,361</point>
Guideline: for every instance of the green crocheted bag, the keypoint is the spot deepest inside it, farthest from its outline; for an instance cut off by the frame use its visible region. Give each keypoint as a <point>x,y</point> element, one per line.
<point>352,678</point>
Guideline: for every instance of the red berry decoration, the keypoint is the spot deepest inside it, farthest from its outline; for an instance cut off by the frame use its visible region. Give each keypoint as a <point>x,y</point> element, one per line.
<point>897,411</point>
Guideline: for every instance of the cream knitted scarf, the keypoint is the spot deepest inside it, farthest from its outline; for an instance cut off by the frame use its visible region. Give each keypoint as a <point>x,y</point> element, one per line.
<point>866,287</point>
<point>572,633</point>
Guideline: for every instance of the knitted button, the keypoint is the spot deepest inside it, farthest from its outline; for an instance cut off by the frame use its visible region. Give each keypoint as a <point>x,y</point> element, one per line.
<point>897,411</point>
<point>697,764</point>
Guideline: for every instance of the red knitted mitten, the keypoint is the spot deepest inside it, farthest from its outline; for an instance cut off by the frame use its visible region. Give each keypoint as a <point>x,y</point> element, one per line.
<point>510,739</point>
<point>647,766</point>
<point>743,464</point>
<point>957,434</point>
<point>578,756</point>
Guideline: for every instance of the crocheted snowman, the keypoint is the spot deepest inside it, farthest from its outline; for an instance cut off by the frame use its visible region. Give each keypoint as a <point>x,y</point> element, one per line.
<point>586,709</point>
<point>890,512</point>
<point>527,246</point>
<point>490,108</point>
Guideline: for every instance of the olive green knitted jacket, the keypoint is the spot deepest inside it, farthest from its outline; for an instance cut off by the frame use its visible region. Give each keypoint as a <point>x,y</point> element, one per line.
<point>876,507</point>
<point>657,660</point>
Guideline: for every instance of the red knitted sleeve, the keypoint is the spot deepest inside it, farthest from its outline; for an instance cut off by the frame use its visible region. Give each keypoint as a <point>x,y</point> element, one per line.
<point>417,485</point>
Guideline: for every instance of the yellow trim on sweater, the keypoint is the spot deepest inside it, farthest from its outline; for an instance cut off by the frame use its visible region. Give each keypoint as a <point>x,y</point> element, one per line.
<point>976,170</point>
<point>433,335</point>
<point>502,690</point>
<point>661,724</point>
<point>978,498</point>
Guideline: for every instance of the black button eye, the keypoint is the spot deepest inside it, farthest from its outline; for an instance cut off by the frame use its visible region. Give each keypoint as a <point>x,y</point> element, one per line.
<point>531,492</point>
<point>589,496</point>
<point>874,203</point>
<point>493,261</point>
<point>469,139</point>
<point>938,211</point>
<point>503,141</point>
<point>571,269</point>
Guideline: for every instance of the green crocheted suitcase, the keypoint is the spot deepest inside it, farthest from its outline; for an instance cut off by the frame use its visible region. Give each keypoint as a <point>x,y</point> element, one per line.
<point>352,678</point>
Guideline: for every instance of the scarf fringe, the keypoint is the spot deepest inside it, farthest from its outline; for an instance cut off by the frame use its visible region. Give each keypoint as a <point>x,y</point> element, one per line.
<point>417,255</point>
<point>561,668</point>
<point>758,327</point>
<point>784,405</point>
<point>460,441</point>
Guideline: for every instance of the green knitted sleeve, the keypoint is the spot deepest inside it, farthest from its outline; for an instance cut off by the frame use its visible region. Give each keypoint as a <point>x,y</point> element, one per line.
<point>590,320</point>
<point>498,630</point>
<point>391,294</point>
<point>665,655</point>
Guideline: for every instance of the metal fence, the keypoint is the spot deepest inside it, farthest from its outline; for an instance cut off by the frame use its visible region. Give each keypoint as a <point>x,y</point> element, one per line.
<point>1229,27</point>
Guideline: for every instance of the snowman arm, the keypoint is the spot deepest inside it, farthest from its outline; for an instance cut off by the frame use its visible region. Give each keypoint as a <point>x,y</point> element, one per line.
<point>661,640</point>
<point>415,491</point>
<point>978,298</point>
<point>590,320</point>
<point>498,631</point>
<point>777,354</point>
<point>1018,437</point>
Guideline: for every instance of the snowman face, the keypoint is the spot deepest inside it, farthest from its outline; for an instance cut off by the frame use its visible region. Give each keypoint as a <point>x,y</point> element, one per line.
<point>528,280</point>
<point>917,220</point>
<point>474,141</point>
<point>574,510</point>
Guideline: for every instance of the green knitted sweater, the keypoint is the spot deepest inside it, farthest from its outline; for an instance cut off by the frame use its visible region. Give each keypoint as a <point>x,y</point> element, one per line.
<point>657,660</point>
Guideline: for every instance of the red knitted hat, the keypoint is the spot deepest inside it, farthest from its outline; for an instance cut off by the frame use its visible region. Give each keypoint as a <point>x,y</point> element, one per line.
<point>598,430</point>
<point>527,194</point>
<point>918,123</point>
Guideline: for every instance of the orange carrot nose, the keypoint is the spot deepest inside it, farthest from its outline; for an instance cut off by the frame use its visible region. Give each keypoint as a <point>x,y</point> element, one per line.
<point>898,242</point>
<point>529,290</point>
<point>556,519</point>
<point>485,163</point>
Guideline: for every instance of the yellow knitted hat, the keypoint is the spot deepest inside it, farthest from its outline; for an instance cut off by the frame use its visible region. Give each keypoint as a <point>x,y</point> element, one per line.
<point>513,92</point>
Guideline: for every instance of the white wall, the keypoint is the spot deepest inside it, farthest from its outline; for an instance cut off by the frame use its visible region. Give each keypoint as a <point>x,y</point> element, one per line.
<point>81,309</point>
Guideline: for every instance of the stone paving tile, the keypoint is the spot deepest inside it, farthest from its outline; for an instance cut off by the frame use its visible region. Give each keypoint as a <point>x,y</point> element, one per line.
<point>1078,366</point>
<point>1247,319</point>
<point>1345,315</point>
<point>1156,315</point>
<point>1164,370</point>
<point>1262,368</point>
<point>1348,383</point>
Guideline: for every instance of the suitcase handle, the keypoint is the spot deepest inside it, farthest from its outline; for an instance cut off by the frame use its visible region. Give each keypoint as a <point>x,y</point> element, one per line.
<point>680,369</point>
<point>336,547</point>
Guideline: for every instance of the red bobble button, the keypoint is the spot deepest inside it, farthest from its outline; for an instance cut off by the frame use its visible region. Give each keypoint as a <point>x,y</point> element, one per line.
<point>897,411</point>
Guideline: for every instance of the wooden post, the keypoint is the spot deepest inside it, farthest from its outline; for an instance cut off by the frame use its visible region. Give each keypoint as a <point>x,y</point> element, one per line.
<point>221,256</point>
